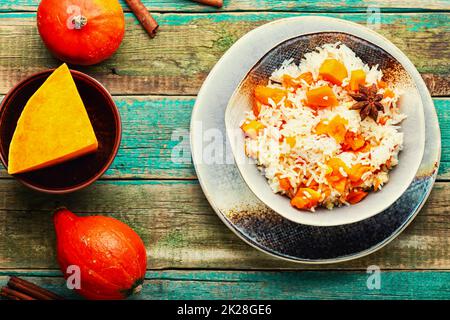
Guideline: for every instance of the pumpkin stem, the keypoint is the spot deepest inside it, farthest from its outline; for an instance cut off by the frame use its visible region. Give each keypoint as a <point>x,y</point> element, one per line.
<point>79,22</point>
<point>137,289</point>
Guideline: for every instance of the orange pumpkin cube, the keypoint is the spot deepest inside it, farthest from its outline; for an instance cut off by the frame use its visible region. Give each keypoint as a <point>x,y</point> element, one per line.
<point>356,196</point>
<point>382,84</point>
<point>337,129</point>
<point>334,128</point>
<point>284,184</point>
<point>301,203</point>
<point>357,78</point>
<point>321,97</point>
<point>356,172</point>
<point>252,128</point>
<point>306,198</point>
<point>322,128</point>
<point>263,94</point>
<point>333,70</point>
<point>340,185</point>
<point>366,148</point>
<point>336,164</point>
<point>290,82</point>
<point>291,141</point>
<point>307,77</point>
<point>353,141</point>
<point>335,177</point>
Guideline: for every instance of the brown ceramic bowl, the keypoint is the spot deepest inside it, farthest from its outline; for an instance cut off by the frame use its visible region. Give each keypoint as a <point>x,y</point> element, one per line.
<point>78,173</point>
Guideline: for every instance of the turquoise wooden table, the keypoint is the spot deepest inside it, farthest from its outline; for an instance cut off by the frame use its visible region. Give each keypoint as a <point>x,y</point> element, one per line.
<point>191,254</point>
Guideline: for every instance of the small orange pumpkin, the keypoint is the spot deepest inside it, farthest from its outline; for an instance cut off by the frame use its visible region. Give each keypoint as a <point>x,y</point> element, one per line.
<point>83,32</point>
<point>111,257</point>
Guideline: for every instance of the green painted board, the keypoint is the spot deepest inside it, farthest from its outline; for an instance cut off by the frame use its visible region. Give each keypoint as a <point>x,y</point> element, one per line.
<point>155,140</point>
<point>272,5</point>
<point>154,127</point>
<point>171,215</point>
<point>179,58</point>
<point>177,285</point>
<point>181,230</point>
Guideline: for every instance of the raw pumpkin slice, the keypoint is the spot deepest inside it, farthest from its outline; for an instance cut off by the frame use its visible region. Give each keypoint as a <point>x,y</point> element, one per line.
<point>54,126</point>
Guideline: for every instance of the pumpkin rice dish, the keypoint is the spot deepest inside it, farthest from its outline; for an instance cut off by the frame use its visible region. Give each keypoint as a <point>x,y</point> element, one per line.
<point>325,132</point>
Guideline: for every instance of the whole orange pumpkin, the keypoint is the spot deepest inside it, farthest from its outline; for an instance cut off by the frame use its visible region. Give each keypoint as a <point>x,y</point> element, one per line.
<point>110,256</point>
<point>82,32</point>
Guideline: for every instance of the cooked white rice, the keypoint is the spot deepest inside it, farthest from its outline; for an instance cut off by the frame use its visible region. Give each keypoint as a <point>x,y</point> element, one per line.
<point>306,162</point>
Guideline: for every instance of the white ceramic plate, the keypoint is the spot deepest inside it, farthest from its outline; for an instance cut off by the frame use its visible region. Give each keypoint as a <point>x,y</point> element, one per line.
<point>373,49</point>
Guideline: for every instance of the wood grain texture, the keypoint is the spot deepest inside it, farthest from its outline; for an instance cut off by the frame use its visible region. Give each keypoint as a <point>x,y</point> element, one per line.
<point>265,5</point>
<point>155,139</point>
<point>177,61</point>
<point>197,285</point>
<point>178,226</point>
<point>181,230</point>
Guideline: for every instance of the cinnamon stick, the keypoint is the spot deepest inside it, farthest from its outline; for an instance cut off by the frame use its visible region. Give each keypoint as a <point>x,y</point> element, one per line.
<point>31,289</point>
<point>8,295</point>
<point>213,3</point>
<point>14,294</point>
<point>144,17</point>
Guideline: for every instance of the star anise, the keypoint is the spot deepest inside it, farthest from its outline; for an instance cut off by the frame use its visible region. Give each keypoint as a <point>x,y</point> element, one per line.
<point>367,102</point>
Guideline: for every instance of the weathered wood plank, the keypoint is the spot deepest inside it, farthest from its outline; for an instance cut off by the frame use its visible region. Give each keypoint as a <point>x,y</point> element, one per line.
<point>443,108</point>
<point>263,5</point>
<point>177,61</point>
<point>197,285</point>
<point>156,128</point>
<point>181,231</point>
<point>152,128</point>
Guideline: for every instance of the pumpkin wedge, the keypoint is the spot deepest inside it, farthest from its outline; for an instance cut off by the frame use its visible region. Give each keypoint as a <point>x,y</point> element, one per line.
<point>54,126</point>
